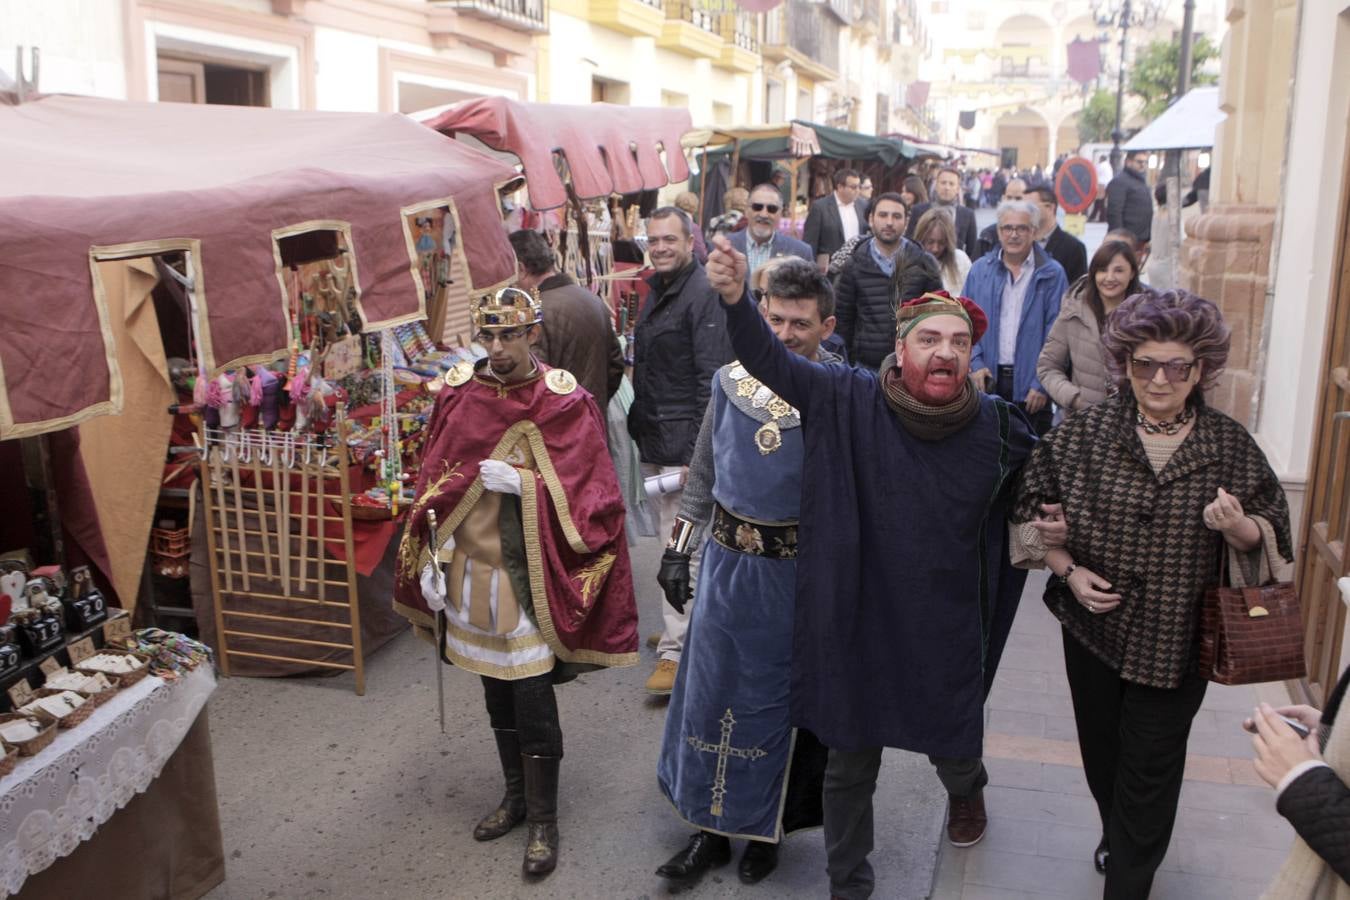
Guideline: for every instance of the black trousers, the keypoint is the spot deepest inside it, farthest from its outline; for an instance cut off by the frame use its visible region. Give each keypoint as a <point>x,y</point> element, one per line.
<point>1133,742</point>
<point>528,707</point>
<point>1003,386</point>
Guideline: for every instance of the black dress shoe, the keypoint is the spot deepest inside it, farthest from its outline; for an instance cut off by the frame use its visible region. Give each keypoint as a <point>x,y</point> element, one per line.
<point>1099,856</point>
<point>705,851</point>
<point>760,858</point>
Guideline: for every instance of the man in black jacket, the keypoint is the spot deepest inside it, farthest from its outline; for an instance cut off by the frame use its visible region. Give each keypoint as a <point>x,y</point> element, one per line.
<point>1129,203</point>
<point>1061,246</point>
<point>947,195</point>
<point>836,217</point>
<point>679,342</point>
<point>885,269</point>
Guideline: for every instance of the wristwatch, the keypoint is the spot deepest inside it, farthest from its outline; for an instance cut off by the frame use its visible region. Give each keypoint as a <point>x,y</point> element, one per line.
<point>1067,572</point>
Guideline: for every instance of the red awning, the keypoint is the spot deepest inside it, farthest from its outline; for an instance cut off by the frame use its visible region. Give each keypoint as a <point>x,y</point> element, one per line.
<point>82,177</point>
<point>609,149</point>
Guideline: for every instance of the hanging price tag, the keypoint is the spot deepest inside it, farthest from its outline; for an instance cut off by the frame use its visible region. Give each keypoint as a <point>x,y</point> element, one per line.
<point>81,650</point>
<point>117,631</point>
<point>20,693</point>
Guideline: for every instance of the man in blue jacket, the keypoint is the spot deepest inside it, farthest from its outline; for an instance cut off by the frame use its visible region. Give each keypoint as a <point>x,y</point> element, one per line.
<point>1019,287</point>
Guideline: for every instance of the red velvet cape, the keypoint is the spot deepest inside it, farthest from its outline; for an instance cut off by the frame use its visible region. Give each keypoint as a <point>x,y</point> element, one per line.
<point>581,580</point>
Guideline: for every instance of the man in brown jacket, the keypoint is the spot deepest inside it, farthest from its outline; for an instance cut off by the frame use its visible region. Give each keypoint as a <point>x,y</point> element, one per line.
<point>576,332</point>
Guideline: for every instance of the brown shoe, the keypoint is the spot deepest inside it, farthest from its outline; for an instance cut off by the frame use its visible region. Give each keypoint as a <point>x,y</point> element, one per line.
<point>654,640</point>
<point>662,681</point>
<point>966,819</point>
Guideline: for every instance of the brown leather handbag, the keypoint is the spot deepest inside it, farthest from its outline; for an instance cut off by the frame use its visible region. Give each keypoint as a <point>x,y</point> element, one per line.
<point>1249,635</point>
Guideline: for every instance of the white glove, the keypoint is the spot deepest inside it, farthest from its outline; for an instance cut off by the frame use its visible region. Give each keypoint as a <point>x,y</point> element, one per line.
<point>433,587</point>
<point>499,476</point>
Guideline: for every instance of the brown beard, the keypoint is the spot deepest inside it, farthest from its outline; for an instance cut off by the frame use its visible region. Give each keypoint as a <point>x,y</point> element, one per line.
<point>915,381</point>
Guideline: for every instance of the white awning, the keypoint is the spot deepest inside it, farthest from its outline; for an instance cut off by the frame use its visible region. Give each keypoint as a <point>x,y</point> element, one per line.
<point>1187,124</point>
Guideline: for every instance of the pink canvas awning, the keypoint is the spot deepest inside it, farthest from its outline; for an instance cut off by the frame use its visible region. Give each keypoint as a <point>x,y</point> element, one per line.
<point>82,177</point>
<point>609,149</point>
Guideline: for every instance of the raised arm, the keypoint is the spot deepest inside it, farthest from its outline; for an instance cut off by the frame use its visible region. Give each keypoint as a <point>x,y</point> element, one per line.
<point>763,355</point>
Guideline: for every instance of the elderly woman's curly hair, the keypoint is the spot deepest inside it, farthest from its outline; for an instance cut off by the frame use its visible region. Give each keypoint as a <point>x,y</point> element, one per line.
<point>1164,316</point>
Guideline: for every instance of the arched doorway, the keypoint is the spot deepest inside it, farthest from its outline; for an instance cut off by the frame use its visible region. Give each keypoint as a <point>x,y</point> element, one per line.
<point>1024,136</point>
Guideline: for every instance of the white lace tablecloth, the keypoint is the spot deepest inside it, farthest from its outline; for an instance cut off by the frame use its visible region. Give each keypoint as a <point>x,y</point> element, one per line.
<point>54,801</point>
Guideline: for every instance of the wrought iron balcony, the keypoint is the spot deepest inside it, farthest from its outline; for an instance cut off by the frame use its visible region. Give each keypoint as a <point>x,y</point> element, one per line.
<point>695,13</point>
<point>520,15</point>
<point>741,29</point>
<point>802,33</point>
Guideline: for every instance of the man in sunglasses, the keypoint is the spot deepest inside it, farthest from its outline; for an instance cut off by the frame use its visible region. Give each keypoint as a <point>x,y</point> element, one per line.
<point>522,576</point>
<point>761,241</point>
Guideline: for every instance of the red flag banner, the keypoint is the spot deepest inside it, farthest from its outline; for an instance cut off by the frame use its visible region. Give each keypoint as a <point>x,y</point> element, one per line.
<point>916,94</point>
<point>1085,60</point>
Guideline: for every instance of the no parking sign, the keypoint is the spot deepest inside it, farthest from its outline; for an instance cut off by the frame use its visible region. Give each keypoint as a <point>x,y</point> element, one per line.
<point>1076,184</point>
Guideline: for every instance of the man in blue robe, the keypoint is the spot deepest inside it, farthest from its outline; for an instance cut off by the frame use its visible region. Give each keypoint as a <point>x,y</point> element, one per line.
<point>731,764</point>
<point>905,593</point>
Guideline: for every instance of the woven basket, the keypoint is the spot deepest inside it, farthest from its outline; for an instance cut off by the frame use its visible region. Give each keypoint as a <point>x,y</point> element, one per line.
<point>77,717</point>
<point>126,680</point>
<point>10,760</point>
<point>32,746</point>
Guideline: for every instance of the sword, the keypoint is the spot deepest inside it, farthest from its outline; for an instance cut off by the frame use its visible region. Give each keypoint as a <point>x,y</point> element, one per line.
<point>440,620</point>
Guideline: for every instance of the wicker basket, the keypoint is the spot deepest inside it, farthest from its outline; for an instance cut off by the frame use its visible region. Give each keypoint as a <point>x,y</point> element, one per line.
<point>126,680</point>
<point>70,720</point>
<point>9,760</point>
<point>32,746</point>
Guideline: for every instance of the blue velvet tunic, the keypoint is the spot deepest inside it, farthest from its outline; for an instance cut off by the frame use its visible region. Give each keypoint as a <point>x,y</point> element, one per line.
<point>905,594</point>
<point>735,670</point>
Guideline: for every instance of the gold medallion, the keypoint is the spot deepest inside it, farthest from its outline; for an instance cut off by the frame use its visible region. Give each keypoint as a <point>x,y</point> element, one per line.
<point>778,407</point>
<point>768,438</point>
<point>459,373</point>
<point>560,381</point>
<point>747,387</point>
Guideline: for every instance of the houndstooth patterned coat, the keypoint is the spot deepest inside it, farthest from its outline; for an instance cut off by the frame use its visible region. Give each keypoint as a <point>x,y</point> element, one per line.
<point>1143,531</point>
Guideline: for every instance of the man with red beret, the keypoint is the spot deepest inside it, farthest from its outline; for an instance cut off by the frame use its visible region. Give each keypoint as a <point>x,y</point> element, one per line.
<point>905,592</point>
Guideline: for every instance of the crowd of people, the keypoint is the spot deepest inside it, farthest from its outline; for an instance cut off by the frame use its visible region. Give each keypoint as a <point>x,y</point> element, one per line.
<point>856,445</point>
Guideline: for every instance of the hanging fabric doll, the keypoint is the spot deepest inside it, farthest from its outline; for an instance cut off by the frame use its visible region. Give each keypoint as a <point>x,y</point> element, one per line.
<point>269,404</point>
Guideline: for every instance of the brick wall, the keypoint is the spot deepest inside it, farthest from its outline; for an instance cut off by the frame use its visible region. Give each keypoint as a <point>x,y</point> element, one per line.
<point>1226,258</point>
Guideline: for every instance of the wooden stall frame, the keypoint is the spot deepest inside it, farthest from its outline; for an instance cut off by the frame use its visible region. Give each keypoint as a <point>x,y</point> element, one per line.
<point>272,453</point>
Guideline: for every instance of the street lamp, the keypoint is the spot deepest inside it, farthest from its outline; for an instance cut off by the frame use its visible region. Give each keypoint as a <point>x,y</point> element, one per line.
<point>1128,16</point>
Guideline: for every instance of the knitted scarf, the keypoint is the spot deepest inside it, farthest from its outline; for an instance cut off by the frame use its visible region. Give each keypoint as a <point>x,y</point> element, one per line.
<point>929,423</point>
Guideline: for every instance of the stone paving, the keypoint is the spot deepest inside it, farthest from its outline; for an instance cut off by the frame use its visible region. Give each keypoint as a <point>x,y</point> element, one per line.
<point>1043,823</point>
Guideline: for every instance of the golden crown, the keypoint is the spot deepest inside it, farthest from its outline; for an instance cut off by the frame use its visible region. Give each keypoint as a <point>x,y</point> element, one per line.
<point>507,308</point>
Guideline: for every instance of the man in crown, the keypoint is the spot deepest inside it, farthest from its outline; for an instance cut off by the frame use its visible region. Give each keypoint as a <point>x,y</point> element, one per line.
<point>731,763</point>
<point>522,574</point>
<point>905,589</point>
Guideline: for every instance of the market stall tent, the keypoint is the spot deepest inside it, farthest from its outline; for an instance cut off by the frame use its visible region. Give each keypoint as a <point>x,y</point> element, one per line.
<point>608,149</point>
<point>1188,124</point>
<point>85,179</point>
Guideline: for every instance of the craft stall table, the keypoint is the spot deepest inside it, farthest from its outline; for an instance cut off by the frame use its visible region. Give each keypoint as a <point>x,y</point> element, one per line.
<point>122,805</point>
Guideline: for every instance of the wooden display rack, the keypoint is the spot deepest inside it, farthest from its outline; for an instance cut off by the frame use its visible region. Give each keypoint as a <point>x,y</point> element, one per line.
<point>267,496</point>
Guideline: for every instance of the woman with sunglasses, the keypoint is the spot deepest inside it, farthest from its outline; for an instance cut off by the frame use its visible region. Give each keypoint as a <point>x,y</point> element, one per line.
<point>1072,364</point>
<point>1155,486</point>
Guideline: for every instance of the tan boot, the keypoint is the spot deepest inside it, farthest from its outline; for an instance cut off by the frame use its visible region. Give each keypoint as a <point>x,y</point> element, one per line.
<point>662,681</point>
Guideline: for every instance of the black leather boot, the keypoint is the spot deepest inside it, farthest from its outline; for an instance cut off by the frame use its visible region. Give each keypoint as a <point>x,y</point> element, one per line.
<point>541,812</point>
<point>511,812</point>
<point>1101,855</point>
<point>759,859</point>
<point>705,851</point>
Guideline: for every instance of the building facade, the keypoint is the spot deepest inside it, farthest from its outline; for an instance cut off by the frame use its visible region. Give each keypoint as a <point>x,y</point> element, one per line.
<point>1273,250</point>
<point>349,55</point>
<point>1008,64</point>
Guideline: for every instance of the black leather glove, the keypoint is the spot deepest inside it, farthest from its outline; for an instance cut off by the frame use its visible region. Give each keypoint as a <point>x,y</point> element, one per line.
<point>673,576</point>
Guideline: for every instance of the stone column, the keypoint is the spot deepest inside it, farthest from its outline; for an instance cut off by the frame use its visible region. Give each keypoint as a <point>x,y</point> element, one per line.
<point>1226,259</point>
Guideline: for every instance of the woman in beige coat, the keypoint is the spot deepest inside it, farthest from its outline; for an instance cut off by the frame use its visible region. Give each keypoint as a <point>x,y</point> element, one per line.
<point>1072,365</point>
